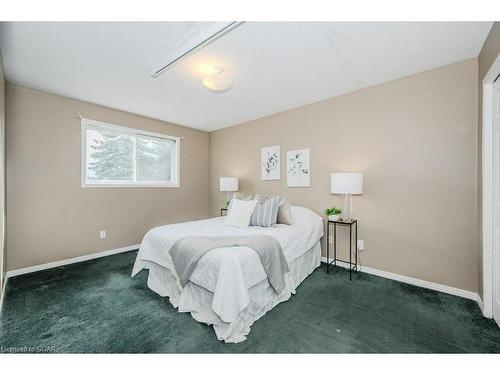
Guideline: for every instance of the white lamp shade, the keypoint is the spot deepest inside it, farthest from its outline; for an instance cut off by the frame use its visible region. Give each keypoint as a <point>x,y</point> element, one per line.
<point>229,184</point>
<point>347,183</point>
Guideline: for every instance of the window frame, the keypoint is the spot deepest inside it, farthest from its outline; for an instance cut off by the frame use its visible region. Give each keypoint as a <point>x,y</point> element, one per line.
<point>129,131</point>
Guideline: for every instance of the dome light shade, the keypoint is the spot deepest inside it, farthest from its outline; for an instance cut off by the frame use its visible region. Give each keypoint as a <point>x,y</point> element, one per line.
<point>218,82</point>
<point>208,69</point>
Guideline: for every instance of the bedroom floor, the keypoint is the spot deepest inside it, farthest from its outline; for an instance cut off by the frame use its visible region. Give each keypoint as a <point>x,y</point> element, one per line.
<point>96,306</point>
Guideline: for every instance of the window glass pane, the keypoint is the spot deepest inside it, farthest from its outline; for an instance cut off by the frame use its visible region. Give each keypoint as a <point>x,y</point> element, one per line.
<point>110,156</point>
<point>118,156</point>
<point>155,159</point>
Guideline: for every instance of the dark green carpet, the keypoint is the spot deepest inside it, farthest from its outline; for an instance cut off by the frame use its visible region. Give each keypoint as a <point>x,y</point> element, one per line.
<point>96,306</point>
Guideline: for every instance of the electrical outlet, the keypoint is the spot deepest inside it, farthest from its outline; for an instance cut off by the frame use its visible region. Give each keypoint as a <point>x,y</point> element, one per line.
<point>361,245</point>
<point>102,234</point>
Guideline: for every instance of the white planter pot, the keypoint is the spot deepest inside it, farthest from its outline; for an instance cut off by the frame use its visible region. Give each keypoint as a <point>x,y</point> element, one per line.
<point>333,217</point>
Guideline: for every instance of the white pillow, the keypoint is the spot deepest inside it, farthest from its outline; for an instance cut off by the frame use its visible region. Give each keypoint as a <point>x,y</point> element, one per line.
<point>240,213</point>
<point>241,197</point>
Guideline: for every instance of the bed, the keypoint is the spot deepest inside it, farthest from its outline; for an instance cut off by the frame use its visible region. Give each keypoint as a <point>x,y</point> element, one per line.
<point>229,288</point>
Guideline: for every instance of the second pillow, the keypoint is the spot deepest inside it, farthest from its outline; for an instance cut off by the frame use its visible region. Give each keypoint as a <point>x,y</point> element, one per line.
<point>266,212</point>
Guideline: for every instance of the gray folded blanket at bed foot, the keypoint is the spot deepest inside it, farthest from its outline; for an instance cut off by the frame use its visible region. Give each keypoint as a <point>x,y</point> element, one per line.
<point>187,252</point>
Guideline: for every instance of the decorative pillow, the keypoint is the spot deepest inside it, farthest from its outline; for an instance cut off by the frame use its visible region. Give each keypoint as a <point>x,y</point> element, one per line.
<point>240,213</point>
<point>285,212</point>
<point>266,211</point>
<point>259,198</point>
<point>241,197</point>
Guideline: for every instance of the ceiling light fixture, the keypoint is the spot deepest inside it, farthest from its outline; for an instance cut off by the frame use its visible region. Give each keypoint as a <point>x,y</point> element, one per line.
<point>207,69</point>
<point>200,40</point>
<point>220,81</point>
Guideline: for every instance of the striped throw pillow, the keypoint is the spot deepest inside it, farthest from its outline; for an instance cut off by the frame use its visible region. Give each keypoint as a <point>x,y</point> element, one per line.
<point>266,212</point>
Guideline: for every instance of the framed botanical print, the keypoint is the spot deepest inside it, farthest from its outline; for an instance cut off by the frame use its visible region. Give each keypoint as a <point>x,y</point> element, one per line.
<point>270,163</point>
<point>298,168</point>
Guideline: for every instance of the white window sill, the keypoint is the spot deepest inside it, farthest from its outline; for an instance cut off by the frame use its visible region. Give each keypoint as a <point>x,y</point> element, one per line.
<point>85,186</point>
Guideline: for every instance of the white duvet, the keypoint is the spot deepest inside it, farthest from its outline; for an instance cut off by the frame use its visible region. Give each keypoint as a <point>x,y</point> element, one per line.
<point>229,272</point>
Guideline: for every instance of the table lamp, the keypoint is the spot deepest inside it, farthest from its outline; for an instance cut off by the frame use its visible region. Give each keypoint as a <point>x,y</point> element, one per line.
<point>229,185</point>
<point>347,184</point>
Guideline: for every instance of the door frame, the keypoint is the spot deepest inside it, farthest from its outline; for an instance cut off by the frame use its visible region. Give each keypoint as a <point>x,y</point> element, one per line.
<point>487,186</point>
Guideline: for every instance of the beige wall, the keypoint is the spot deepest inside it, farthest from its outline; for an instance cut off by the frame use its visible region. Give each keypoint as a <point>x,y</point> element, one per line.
<point>488,54</point>
<point>415,140</point>
<point>50,217</point>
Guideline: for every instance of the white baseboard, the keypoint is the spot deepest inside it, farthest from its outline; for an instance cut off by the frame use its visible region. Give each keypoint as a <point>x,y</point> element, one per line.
<point>417,282</point>
<point>2,296</point>
<point>480,304</point>
<point>40,267</point>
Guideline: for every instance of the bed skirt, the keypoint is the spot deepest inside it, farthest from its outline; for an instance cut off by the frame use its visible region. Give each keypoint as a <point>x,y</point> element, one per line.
<point>198,300</point>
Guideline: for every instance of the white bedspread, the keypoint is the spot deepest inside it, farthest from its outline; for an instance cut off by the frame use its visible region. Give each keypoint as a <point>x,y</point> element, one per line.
<point>229,272</point>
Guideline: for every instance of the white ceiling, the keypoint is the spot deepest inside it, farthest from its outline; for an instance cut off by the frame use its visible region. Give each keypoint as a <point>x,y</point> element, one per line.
<point>276,66</point>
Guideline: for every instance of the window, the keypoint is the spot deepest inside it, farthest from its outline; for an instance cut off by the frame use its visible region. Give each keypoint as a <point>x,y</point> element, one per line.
<point>117,156</point>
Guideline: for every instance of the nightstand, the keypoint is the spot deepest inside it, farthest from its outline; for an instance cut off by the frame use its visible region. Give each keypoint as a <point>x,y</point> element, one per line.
<point>353,227</point>
<point>223,210</point>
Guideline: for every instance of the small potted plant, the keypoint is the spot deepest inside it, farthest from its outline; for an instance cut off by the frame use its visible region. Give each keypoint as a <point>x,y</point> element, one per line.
<point>333,213</point>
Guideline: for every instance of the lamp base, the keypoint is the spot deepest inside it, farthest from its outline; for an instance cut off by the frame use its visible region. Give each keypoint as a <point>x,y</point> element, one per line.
<point>229,197</point>
<point>347,212</point>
